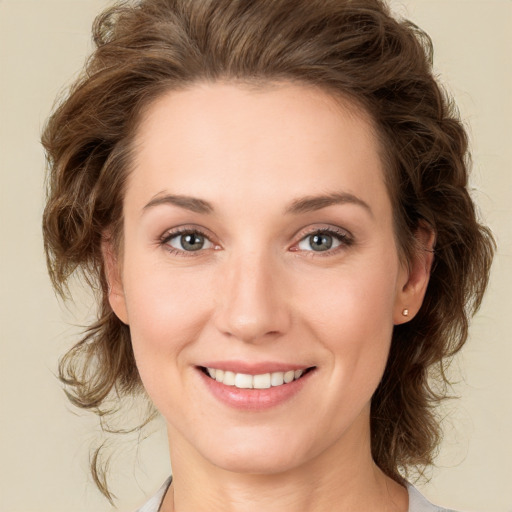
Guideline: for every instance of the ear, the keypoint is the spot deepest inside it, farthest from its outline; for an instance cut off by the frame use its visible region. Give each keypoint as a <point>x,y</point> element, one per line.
<point>113,274</point>
<point>415,276</point>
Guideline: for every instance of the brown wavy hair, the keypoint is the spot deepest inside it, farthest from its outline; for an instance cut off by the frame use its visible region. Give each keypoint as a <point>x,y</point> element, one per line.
<point>349,48</point>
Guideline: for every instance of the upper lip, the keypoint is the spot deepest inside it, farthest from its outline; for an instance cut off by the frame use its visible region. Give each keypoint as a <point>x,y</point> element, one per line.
<point>253,368</point>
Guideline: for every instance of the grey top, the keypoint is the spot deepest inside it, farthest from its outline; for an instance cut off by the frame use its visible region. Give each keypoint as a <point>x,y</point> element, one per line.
<point>417,502</point>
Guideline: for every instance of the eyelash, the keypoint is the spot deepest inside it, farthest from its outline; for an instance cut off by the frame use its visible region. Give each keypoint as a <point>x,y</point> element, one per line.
<point>169,235</point>
<point>342,236</point>
<point>346,240</point>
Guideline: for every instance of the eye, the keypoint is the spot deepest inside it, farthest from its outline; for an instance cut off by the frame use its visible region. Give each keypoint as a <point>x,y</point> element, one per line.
<point>188,241</point>
<point>324,240</point>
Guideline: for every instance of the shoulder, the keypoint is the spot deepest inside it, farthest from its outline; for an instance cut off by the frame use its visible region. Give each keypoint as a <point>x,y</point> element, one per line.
<point>154,503</point>
<point>418,503</point>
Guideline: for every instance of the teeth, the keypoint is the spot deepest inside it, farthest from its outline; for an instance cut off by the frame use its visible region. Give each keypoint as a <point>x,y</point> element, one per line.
<point>277,379</point>
<point>229,378</point>
<point>262,381</point>
<point>289,376</point>
<point>243,381</point>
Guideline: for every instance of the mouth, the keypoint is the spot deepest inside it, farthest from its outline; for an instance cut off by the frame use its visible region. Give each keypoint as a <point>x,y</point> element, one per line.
<point>259,381</point>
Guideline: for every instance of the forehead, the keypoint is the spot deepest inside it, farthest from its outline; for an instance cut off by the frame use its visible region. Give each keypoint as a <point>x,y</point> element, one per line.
<point>225,140</point>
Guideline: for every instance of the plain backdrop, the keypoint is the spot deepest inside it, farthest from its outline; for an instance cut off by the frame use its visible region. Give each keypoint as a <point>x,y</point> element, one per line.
<point>45,443</point>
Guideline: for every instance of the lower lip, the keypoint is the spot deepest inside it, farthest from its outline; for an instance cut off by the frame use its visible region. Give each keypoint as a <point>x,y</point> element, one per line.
<point>254,399</point>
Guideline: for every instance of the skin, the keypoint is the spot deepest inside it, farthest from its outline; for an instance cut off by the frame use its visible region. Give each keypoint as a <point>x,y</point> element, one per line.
<point>258,291</point>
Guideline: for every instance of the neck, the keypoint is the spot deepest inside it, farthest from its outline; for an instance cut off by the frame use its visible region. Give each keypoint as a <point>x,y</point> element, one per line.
<point>343,478</point>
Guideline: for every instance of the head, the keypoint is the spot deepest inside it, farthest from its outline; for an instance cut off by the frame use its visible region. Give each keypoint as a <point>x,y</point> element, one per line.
<point>368,78</point>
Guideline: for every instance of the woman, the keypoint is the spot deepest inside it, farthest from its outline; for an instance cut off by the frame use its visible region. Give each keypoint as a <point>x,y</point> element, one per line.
<point>271,199</point>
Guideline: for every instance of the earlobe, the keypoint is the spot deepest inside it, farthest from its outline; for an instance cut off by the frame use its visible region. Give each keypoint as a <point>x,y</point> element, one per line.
<point>112,268</point>
<point>417,275</point>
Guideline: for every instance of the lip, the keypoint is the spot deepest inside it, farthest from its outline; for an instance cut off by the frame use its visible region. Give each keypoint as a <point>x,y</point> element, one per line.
<point>254,399</point>
<point>253,368</point>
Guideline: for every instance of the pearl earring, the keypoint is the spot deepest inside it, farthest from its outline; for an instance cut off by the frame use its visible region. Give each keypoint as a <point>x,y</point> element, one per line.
<point>405,312</point>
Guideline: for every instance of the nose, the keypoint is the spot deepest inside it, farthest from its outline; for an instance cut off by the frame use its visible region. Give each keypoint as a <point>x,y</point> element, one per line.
<point>251,299</point>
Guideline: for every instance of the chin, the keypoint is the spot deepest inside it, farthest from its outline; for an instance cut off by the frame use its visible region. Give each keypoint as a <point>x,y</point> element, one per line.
<point>262,465</point>
<point>267,455</point>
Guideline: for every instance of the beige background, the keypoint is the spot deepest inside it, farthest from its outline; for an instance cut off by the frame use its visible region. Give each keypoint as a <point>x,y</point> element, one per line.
<point>44,451</point>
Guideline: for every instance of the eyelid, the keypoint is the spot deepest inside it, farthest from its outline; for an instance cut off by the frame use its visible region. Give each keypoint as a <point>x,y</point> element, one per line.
<point>344,236</point>
<point>183,230</point>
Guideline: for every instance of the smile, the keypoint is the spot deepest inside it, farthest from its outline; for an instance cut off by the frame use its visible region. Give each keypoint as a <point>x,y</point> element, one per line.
<point>260,381</point>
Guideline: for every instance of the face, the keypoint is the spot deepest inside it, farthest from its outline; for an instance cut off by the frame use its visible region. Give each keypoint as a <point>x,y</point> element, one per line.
<point>259,273</point>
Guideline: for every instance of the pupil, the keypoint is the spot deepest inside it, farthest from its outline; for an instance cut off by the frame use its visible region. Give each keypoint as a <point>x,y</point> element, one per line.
<point>192,242</point>
<point>321,242</point>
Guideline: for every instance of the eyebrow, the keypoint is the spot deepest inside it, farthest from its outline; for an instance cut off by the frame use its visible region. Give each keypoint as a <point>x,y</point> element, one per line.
<point>188,203</point>
<point>312,203</point>
<point>296,207</point>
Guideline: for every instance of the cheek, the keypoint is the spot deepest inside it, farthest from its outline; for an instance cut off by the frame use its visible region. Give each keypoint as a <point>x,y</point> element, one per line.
<point>167,312</point>
<point>351,297</point>
<point>166,309</point>
<point>350,310</point>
